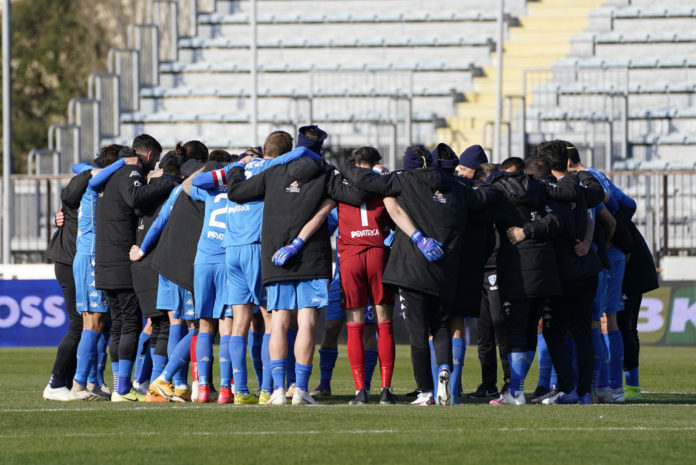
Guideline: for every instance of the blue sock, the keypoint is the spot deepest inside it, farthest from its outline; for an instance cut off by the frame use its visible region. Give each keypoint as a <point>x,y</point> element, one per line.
<point>92,378</point>
<point>302,374</point>
<point>142,352</point>
<point>433,366</point>
<point>181,375</point>
<point>632,377</point>
<point>266,378</point>
<point>145,369</point>
<point>102,343</point>
<point>597,349</point>
<point>86,355</point>
<point>255,341</point>
<point>225,362</point>
<point>176,334</point>
<point>290,367</point>
<point>458,352</point>
<point>204,355</point>
<point>158,364</point>
<point>238,348</point>
<point>545,364</point>
<point>517,361</point>
<point>371,356</point>
<point>327,362</point>
<point>616,355</point>
<point>553,379</point>
<point>125,369</point>
<point>180,358</point>
<point>278,372</point>
<point>604,363</point>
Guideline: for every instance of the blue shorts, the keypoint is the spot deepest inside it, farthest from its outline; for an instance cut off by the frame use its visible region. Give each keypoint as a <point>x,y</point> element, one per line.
<point>176,299</point>
<point>228,313</point>
<point>335,311</point>
<point>244,283</point>
<point>293,295</point>
<point>617,259</point>
<point>210,289</point>
<point>600,299</point>
<point>87,297</point>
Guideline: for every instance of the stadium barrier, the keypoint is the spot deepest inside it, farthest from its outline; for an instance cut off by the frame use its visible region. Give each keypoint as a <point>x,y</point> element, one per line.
<point>32,313</point>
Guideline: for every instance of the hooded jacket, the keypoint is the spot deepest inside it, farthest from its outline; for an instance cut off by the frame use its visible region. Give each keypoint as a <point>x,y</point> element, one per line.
<point>62,247</point>
<point>641,274</point>
<point>438,205</point>
<point>117,222</point>
<point>292,194</point>
<point>176,250</point>
<point>145,278</point>
<point>528,269</point>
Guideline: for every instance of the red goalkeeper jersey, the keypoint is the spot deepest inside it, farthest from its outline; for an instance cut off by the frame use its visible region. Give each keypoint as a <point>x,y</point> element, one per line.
<point>362,228</point>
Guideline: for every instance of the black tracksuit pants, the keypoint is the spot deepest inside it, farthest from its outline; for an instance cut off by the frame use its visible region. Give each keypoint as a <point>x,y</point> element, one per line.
<point>426,315</point>
<point>572,311</point>
<point>66,356</point>
<point>126,324</point>
<point>628,325</point>
<point>490,328</point>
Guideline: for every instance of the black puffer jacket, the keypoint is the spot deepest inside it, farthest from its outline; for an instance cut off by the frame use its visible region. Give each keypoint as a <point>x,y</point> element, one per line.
<point>438,205</point>
<point>126,191</point>
<point>479,245</point>
<point>145,278</point>
<point>177,246</point>
<point>573,220</point>
<point>62,246</point>
<point>527,269</point>
<point>293,193</point>
<point>641,274</point>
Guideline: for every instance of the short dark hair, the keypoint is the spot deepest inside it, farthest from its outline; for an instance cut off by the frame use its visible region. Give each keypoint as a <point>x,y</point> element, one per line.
<point>197,150</point>
<point>512,162</point>
<point>220,155</point>
<point>555,153</point>
<point>109,153</point>
<point>484,170</point>
<point>313,132</point>
<point>277,143</point>
<point>369,155</point>
<point>537,167</point>
<point>145,143</point>
<point>172,165</point>
<point>254,152</point>
<point>573,154</point>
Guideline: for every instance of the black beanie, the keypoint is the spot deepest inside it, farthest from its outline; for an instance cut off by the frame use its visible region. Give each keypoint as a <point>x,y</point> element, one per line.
<point>314,145</point>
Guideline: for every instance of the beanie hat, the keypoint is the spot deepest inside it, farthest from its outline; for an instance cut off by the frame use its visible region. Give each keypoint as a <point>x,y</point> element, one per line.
<point>444,157</point>
<point>304,140</point>
<point>417,156</point>
<point>473,157</point>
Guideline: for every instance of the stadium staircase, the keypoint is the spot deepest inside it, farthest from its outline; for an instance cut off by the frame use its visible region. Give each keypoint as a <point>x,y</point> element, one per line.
<point>542,37</point>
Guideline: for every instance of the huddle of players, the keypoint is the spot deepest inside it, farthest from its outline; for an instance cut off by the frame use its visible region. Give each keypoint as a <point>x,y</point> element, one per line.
<point>188,290</point>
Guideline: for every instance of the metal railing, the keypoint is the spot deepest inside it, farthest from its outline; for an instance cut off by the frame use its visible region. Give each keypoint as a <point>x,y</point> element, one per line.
<point>666,213</point>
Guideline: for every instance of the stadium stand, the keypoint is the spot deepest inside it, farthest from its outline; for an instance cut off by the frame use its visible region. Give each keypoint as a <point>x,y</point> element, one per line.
<point>614,76</point>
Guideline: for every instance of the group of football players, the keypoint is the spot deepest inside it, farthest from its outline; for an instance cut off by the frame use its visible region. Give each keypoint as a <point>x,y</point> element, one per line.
<point>206,244</point>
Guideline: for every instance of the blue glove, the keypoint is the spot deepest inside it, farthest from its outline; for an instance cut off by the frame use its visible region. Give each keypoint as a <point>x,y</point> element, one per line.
<point>389,240</point>
<point>284,253</point>
<point>431,248</point>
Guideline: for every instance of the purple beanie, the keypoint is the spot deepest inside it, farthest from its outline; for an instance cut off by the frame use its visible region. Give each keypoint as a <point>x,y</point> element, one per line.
<point>450,160</point>
<point>314,145</point>
<point>473,157</point>
<point>417,156</point>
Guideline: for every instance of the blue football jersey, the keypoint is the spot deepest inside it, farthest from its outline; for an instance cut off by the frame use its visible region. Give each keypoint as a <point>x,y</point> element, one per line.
<point>210,244</point>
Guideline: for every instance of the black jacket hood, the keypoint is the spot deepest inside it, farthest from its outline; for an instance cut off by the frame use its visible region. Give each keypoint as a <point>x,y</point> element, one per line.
<point>521,189</point>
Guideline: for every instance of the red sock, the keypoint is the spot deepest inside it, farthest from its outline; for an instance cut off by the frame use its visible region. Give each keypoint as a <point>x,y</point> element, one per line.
<point>386,351</point>
<point>194,362</point>
<point>356,353</point>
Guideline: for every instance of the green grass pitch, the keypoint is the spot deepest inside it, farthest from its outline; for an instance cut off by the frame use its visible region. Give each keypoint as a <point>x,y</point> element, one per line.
<point>661,428</point>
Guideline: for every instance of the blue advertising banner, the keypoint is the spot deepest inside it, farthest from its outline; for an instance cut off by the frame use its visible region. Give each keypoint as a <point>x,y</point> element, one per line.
<point>32,313</point>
